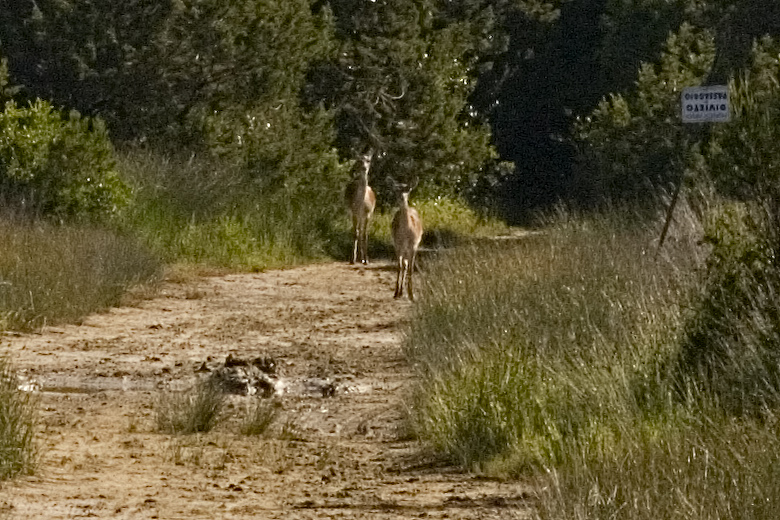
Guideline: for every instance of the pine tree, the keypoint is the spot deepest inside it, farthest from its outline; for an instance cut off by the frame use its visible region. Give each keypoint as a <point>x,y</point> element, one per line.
<point>400,84</point>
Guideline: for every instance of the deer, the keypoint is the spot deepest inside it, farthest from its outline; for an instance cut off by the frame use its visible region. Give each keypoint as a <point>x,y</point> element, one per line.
<point>407,230</point>
<point>361,201</point>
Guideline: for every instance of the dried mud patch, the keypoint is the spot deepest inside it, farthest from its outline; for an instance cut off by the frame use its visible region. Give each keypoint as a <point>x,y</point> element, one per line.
<point>329,454</point>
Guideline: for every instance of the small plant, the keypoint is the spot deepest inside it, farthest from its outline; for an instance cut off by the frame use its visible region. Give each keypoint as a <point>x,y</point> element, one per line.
<point>198,451</point>
<point>193,411</point>
<point>260,414</point>
<point>17,426</point>
<point>291,432</point>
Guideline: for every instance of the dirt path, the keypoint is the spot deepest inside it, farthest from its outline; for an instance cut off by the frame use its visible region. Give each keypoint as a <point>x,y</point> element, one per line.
<point>338,456</point>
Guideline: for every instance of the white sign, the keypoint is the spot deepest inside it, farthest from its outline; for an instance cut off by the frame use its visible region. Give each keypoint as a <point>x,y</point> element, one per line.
<point>706,104</point>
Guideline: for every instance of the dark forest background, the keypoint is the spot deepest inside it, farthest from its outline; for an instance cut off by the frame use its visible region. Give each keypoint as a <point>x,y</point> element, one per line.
<point>489,100</point>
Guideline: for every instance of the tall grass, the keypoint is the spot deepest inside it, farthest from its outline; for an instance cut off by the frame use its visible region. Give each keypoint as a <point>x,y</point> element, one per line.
<point>720,468</point>
<point>558,359</point>
<point>210,211</point>
<point>447,222</point>
<point>56,273</point>
<point>18,423</point>
<point>545,337</point>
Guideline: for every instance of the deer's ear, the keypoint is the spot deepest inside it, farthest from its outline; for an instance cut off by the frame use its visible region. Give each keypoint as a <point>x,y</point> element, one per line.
<point>413,184</point>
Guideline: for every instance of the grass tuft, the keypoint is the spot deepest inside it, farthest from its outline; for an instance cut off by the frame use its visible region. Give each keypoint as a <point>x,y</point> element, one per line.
<point>194,411</point>
<point>260,414</point>
<point>18,423</point>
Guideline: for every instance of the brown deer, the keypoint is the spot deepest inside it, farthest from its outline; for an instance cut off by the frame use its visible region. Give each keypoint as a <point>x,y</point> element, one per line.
<point>407,233</point>
<point>361,200</point>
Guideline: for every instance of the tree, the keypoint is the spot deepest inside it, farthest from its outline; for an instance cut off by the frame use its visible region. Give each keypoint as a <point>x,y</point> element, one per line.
<point>153,69</point>
<point>634,145</point>
<point>87,55</point>
<point>400,83</point>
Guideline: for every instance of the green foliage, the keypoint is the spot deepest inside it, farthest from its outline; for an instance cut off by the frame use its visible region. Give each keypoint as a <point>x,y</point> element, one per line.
<point>93,56</point>
<point>55,166</point>
<point>18,424</point>
<point>635,32</point>
<point>192,411</point>
<point>266,146</point>
<point>154,69</point>
<point>744,154</point>
<point>634,144</point>
<point>239,61</point>
<point>400,84</point>
<point>6,89</point>
<point>730,350</point>
<point>731,344</point>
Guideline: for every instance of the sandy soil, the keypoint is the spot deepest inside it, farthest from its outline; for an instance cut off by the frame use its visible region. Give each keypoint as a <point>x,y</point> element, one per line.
<point>326,456</point>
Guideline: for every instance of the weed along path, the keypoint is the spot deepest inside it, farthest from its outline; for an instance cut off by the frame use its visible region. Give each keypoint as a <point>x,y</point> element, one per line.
<point>330,338</point>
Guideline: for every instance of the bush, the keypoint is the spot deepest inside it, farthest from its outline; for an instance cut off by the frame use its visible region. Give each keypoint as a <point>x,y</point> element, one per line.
<point>63,167</point>
<point>731,350</point>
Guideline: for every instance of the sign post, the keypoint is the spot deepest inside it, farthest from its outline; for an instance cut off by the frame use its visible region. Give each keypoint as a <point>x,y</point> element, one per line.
<point>698,105</point>
<point>705,104</point>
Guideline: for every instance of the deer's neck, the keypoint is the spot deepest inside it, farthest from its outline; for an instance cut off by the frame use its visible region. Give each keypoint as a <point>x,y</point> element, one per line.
<point>404,207</point>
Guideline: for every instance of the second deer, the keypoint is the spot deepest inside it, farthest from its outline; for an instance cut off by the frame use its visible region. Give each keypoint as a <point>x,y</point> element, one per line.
<point>361,200</point>
<point>407,233</point>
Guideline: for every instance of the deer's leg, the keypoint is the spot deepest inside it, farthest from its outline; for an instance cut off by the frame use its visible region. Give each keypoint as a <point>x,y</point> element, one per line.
<point>410,274</point>
<point>355,239</point>
<point>364,242</point>
<point>399,281</point>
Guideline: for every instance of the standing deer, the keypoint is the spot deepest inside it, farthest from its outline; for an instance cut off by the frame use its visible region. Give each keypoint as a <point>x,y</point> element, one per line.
<point>407,234</point>
<point>361,200</point>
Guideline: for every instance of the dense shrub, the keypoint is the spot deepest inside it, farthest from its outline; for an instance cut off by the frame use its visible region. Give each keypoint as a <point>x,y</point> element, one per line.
<point>731,350</point>
<point>55,165</point>
<point>732,344</point>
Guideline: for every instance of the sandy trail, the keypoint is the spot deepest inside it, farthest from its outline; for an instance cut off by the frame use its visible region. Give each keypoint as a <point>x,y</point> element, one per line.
<point>342,456</point>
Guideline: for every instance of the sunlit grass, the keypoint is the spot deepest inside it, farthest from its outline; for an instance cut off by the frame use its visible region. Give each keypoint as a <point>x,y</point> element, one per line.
<point>18,423</point>
<point>554,359</point>
<point>447,222</point>
<point>210,212</point>
<point>55,273</point>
